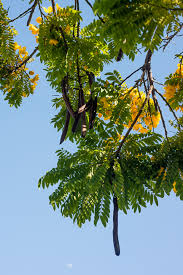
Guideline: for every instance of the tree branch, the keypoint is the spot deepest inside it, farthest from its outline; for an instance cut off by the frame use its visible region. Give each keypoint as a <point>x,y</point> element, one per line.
<point>169,107</point>
<point>53,6</point>
<point>169,39</point>
<point>135,120</point>
<point>32,11</point>
<point>21,15</point>
<point>25,61</point>
<point>146,69</point>
<point>101,19</point>
<point>131,74</point>
<point>163,122</point>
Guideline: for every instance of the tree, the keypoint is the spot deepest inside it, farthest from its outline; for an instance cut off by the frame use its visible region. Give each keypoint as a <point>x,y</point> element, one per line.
<point>120,158</point>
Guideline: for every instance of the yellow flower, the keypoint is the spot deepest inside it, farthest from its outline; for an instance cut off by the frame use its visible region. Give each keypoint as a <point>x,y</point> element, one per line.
<point>37,39</point>
<point>24,94</point>
<point>22,50</point>
<point>179,71</point>
<point>161,170</point>
<point>33,86</point>
<point>67,29</point>
<point>106,84</point>
<point>104,101</point>
<point>169,91</point>
<point>136,127</point>
<point>53,42</point>
<point>25,53</point>
<point>117,121</point>
<point>33,29</point>
<point>143,130</point>
<point>39,20</point>
<point>36,78</point>
<point>48,10</point>
<point>16,46</point>
<point>99,115</point>
<point>31,72</point>
<point>107,118</point>
<point>58,7</point>
<point>156,119</point>
<point>174,189</point>
<point>147,120</point>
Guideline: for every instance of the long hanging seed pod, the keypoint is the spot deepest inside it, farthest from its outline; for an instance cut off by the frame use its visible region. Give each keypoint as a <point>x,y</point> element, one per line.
<point>93,112</point>
<point>115,227</point>
<point>64,133</point>
<point>65,96</point>
<point>78,116</point>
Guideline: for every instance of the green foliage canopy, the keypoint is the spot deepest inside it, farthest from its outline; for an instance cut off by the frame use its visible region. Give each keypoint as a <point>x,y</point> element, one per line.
<point>119,158</point>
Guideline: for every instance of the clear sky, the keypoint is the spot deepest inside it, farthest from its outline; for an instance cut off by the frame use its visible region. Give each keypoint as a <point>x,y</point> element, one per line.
<point>35,240</point>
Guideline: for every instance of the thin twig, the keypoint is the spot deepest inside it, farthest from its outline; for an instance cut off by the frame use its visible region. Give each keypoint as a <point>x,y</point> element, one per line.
<point>53,6</point>
<point>158,83</point>
<point>146,69</point>
<point>21,15</point>
<point>163,122</point>
<point>32,11</point>
<point>169,39</point>
<point>169,107</point>
<point>135,120</point>
<point>131,75</point>
<point>26,60</point>
<point>102,20</point>
<point>42,14</point>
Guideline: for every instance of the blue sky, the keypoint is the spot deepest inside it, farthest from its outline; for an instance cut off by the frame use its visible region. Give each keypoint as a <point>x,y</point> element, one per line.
<point>35,240</point>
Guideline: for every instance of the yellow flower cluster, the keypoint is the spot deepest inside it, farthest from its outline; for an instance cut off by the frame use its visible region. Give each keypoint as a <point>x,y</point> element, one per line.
<point>150,120</point>
<point>39,20</point>
<point>60,11</point>
<point>22,54</point>
<point>170,90</point>
<point>21,50</point>
<point>34,29</point>
<point>48,10</point>
<point>107,108</point>
<point>137,99</point>
<point>34,80</point>
<point>53,42</point>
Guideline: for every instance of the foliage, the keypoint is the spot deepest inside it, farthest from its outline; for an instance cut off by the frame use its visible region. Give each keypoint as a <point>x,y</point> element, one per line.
<point>119,156</point>
<point>147,21</point>
<point>15,82</point>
